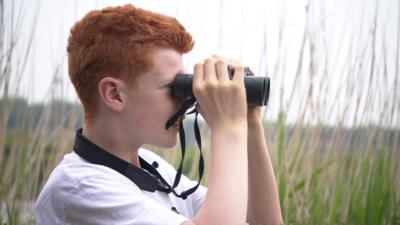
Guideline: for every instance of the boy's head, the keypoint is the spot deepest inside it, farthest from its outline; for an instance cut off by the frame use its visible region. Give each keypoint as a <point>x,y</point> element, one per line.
<point>118,42</point>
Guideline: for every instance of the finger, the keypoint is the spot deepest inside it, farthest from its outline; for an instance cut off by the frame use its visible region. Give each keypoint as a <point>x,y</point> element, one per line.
<point>234,62</point>
<point>219,57</point>
<point>198,76</point>
<point>230,61</point>
<point>222,70</point>
<point>209,70</point>
<point>238,76</point>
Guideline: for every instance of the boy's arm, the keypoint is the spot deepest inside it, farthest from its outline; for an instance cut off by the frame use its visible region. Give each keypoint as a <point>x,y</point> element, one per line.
<point>226,199</point>
<point>263,200</point>
<point>222,103</point>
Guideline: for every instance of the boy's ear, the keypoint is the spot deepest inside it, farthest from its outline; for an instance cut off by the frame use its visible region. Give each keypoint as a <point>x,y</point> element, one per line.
<point>110,93</point>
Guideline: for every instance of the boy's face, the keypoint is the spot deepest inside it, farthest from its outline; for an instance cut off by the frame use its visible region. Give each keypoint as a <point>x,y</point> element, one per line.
<point>150,103</point>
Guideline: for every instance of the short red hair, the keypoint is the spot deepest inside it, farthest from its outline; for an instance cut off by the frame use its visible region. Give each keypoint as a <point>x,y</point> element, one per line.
<point>117,41</point>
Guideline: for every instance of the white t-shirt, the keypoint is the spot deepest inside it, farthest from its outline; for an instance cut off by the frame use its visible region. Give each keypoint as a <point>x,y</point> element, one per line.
<point>79,192</point>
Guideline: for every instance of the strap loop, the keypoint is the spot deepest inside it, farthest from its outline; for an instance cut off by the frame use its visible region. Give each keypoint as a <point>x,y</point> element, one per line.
<point>182,111</point>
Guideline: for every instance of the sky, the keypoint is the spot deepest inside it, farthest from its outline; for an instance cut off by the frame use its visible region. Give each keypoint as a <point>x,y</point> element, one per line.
<point>265,35</point>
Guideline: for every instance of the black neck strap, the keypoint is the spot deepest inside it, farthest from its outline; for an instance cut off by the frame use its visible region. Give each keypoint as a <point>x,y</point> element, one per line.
<point>96,155</point>
<point>148,178</point>
<point>187,104</point>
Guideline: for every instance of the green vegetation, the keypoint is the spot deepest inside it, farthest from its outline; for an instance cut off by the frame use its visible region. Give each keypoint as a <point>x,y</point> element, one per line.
<point>321,179</point>
<point>330,185</point>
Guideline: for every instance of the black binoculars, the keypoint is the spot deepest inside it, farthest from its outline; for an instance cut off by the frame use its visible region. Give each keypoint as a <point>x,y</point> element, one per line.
<point>257,88</point>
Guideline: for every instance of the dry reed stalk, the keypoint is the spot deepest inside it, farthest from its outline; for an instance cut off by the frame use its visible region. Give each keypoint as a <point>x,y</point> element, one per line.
<point>5,59</point>
<point>308,177</point>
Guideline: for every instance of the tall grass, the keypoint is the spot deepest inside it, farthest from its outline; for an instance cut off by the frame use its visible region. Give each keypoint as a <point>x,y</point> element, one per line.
<point>38,139</point>
<point>337,162</point>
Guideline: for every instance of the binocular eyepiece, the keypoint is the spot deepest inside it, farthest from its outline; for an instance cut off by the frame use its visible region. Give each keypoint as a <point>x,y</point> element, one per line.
<point>257,88</point>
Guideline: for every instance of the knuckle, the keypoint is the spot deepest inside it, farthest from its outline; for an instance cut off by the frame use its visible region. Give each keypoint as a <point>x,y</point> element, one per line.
<point>198,66</point>
<point>234,61</point>
<point>209,61</point>
<point>239,67</point>
<point>197,88</point>
<point>225,85</point>
<point>210,86</point>
<point>198,93</point>
<point>221,63</point>
<point>236,88</point>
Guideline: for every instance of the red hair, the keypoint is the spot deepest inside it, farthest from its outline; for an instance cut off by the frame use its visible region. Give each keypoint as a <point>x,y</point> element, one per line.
<point>117,41</point>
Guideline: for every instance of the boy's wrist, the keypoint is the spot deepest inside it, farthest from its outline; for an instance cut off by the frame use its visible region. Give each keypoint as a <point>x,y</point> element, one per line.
<point>255,131</point>
<point>233,127</point>
<point>233,132</point>
<point>254,123</point>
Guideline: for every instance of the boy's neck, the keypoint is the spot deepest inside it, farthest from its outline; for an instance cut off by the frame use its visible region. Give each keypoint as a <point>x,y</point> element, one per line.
<point>112,140</point>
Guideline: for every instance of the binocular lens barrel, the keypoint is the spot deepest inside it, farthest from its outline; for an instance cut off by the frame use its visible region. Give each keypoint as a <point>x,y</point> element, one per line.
<point>257,89</point>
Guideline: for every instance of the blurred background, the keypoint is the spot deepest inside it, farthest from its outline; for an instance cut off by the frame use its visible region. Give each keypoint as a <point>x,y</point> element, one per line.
<point>333,119</point>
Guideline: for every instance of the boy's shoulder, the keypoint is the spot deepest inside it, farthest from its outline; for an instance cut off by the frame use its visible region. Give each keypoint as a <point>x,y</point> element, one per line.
<point>74,176</point>
<point>77,170</point>
<point>74,171</point>
<point>81,191</point>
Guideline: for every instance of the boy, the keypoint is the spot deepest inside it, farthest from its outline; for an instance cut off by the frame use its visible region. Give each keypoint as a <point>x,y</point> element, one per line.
<point>122,62</point>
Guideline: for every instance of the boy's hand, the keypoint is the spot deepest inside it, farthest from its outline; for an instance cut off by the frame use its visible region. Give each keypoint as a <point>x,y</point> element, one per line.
<point>221,101</point>
<point>254,113</point>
